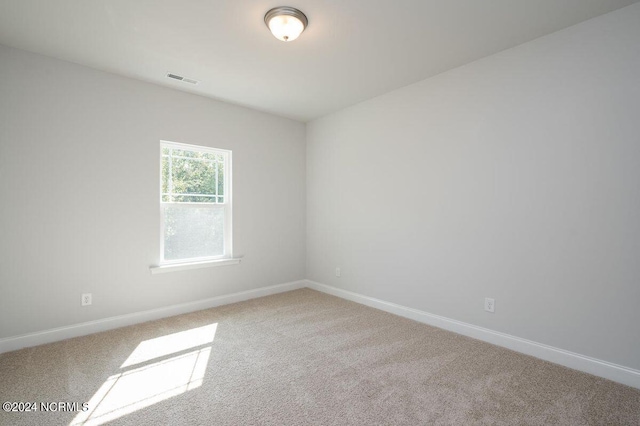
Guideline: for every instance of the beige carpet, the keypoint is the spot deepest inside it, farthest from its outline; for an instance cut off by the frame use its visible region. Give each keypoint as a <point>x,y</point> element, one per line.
<point>299,358</point>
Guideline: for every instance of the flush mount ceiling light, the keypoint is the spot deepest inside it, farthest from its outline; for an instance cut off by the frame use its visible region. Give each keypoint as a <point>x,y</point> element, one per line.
<point>286,23</point>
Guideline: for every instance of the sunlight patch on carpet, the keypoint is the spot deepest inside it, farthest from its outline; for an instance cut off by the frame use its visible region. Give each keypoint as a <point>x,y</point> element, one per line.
<point>171,343</point>
<point>137,388</point>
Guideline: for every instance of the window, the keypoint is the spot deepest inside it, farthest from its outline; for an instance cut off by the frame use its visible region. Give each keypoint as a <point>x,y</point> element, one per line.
<point>195,203</point>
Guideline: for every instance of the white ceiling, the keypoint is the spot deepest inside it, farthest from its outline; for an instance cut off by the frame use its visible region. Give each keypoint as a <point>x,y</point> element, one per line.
<point>352,50</point>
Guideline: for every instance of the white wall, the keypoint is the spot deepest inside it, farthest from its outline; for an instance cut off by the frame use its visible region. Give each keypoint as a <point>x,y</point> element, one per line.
<point>79,202</point>
<point>515,177</point>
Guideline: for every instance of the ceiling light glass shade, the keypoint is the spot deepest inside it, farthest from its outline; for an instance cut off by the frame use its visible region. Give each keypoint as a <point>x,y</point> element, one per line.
<point>285,23</point>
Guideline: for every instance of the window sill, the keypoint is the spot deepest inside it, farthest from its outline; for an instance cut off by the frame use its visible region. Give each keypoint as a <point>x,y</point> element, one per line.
<point>193,265</point>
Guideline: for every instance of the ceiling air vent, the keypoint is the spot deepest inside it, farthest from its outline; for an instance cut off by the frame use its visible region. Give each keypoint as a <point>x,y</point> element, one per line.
<point>181,78</point>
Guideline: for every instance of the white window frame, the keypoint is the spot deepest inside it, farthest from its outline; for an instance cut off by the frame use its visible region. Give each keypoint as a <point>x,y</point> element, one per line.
<point>226,206</point>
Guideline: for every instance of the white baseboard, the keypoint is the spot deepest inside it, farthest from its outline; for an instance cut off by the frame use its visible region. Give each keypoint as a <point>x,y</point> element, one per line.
<point>617,373</point>
<point>62,333</point>
<point>607,370</point>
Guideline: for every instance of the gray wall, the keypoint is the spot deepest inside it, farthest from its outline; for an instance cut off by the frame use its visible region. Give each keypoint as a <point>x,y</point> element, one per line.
<point>515,177</point>
<point>79,202</point>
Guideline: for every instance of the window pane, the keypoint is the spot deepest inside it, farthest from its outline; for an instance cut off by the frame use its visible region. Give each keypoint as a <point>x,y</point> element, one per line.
<point>221,178</point>
<point>193,176</point>
<point>193,154</point>
<point>191,232</point>
<point>165,175</point>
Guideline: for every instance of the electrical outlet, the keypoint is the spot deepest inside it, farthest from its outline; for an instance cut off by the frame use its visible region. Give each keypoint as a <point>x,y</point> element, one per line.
<point>489,304</point>
<point>337,272</point>
<point>86,299</point>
